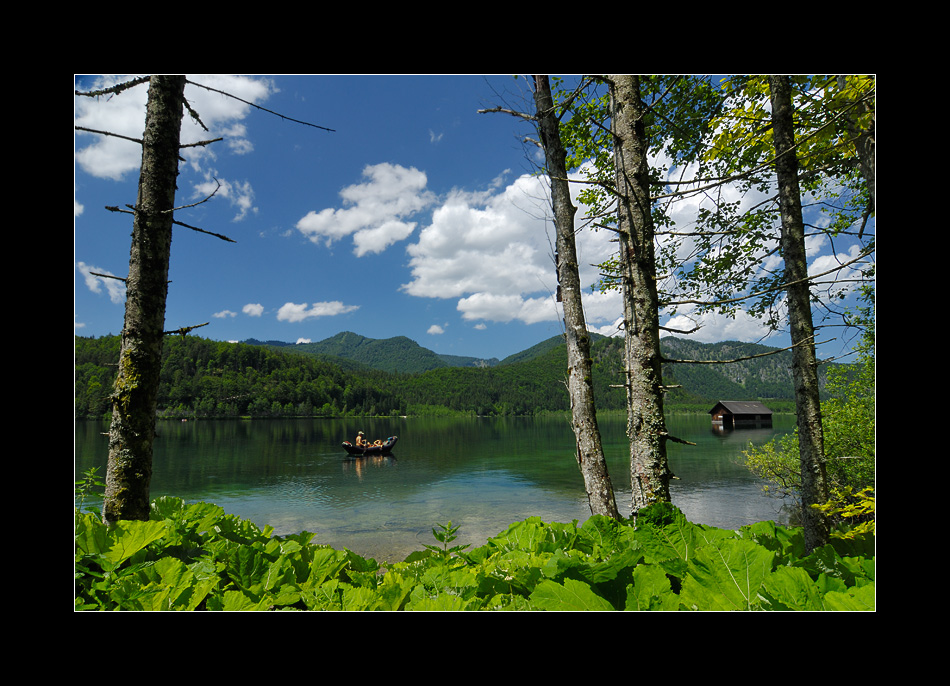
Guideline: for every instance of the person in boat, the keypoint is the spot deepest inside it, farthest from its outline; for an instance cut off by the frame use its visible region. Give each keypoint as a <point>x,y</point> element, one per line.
<point>360,442</point>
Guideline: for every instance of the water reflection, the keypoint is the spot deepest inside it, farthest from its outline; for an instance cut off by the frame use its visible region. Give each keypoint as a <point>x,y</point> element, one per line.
<point>481,473</point>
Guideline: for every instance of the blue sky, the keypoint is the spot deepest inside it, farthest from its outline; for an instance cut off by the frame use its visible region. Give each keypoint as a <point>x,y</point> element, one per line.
<point>416,216</point>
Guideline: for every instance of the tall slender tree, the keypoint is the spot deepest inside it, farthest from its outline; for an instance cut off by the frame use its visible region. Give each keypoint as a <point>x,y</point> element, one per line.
<point>814,489</point>
<point>646,425</point>
<point>132,432</point>
<point>590,452</point>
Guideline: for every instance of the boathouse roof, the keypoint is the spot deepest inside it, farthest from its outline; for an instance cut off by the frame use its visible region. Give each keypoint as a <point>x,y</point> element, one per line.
<point>741,407</point>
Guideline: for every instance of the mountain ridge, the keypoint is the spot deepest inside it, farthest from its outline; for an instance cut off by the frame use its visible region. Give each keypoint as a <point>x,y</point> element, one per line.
<point>398,354</point>
<point>205,378</point>
<point>768,376</point>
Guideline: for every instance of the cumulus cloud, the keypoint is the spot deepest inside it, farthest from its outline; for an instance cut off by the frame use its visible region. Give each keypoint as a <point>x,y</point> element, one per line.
<point>239,194</point>
<point>493,251</point>
<point>253,309</point>
<point>224,314</point>
<point>97,284</point>
<point>845,272</point>
<point>293,312</point>
<point>374,212</point>
<point>108,157</point>
<point>714,328</point>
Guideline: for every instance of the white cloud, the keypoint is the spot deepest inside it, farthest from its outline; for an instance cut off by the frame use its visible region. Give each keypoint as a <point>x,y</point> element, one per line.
<point>124,114</point>
<point>493,251</point>
<point>506,308</point>
<point>378,238</point>
<point>114,287</point>
<point>240,195</point>
<point>293,312</point>
<point>435,330</point>
<point>113,158</point>
<point>224,313</point>
<point>374,211</point>
<point>715,328</point>
<point>253,309</point>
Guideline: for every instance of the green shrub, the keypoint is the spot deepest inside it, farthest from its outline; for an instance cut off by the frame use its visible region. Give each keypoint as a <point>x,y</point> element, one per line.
<point>197,557</point>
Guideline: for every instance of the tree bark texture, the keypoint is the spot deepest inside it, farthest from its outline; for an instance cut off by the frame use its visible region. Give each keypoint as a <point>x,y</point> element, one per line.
<point>804,362</point>
<point>590,452</point>
<point>132,431</point>
<point>646,426</point>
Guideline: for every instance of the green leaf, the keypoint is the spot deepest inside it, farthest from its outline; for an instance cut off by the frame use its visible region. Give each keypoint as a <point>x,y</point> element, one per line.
<point>650,590</point>
<point>533,535</point>
<point>726,576</point>
<point>235,601</point>
<point>857,598</point>
<point>667,538</point>
<point>443,602</point>
<point>168,584</point>
<point>116,543</point>
<point>571,595</point>
<point>790,588</point>
<point>326,564</point>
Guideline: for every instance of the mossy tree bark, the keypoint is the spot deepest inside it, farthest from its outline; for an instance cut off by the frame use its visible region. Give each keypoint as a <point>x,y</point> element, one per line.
<point>590,452</point>
<point>646,425</point>
<point>804,363</point>
<point>132,432</point>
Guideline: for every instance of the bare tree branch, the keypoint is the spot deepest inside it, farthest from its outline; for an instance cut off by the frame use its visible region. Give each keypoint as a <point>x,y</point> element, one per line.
<point>183,331</point>
<point>110,276</point>
<point>114,90</point>
<point>263,109</point>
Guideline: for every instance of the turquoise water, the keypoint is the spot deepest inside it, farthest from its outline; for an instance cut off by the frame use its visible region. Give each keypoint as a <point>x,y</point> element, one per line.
<point>482,474</point>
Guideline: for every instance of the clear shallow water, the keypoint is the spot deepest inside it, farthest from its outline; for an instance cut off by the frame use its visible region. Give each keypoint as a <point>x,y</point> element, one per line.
<point>482,474</point>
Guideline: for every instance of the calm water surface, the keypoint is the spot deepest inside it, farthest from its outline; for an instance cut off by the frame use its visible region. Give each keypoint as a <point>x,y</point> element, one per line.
<point>481,474</point>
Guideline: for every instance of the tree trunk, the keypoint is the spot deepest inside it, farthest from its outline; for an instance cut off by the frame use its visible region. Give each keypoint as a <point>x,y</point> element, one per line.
<point>590,453</point>
<point>132,432</point>
<point>646,425</point>
<point>804,362</point>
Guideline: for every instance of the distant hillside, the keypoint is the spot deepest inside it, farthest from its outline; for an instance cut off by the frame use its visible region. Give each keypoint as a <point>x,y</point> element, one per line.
<point>398,354</point>
<point>766,377</point>
<point>542,348</point>
<point>350,375</point>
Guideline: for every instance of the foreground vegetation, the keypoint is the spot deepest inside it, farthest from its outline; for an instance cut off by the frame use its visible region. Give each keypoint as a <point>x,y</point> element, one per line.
<point>197,557</point>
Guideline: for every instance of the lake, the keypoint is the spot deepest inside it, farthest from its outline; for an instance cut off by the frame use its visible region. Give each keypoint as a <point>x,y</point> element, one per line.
<point>480,473</point>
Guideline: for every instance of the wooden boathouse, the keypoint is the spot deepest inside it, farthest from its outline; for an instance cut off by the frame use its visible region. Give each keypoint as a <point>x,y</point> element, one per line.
<point>728,414</point>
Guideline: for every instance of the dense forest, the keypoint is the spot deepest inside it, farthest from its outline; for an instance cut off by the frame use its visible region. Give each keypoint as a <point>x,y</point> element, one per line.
<point>205,378</point>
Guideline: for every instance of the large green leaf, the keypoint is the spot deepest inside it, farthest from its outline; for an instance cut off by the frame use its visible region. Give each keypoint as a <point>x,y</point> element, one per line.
<point>571,595</point>
<point>857,598</point>
<point>726,576</point>
<point>790,588</point>
<point>236,601</point>
<point>168,585</point>
<point>116,543</point>
<point>326,564</point>
<point>650,590</point>
<point>533,535</point>
<point>667,538</point>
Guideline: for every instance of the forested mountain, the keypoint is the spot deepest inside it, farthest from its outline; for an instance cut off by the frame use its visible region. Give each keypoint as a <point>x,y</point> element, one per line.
<point>208,378</point>
<point>398,354</point>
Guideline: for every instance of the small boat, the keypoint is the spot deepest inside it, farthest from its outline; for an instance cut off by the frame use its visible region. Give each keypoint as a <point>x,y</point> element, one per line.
<point>382,449</point>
